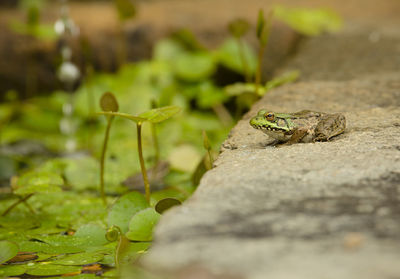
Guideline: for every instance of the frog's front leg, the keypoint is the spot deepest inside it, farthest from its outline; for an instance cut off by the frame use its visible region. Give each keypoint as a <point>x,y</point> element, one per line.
<point>329,126</point>
<point>297,136</point>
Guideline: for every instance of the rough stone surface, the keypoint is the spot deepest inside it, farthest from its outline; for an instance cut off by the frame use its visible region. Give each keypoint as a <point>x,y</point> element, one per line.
<point>316,210</point>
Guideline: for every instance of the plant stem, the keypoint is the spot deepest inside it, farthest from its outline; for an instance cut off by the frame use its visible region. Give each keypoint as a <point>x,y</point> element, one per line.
<point>102,159</point>
<point>244,60</point>
<point>156,146</point>
<point>223,114</point>
<point>20,200</point>
<point>29,207</point>
<point>142,166</point>
<point>259,65</point>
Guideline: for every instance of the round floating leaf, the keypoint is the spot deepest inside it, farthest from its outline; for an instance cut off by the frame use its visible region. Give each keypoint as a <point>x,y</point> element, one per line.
<point>79,259</point>
<point>8,250</point>
<point>38,182</point>
<point>48,269</point>
<point>93,234</point>
<point>124,208</point>
<point>142,224</point>
<point>124,115</point>
<point>166,204</point>
<point>160,114</point>
<point>112,234</point>
<point>108,102</point>
<point>11,270</point>
<point>33,246</point>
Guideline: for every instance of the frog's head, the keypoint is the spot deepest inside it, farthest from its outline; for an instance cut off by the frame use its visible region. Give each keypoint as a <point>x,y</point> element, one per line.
<point>269,121</point>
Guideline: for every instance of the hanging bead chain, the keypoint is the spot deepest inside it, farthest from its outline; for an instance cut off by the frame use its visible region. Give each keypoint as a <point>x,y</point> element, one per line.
<point>68,73</point>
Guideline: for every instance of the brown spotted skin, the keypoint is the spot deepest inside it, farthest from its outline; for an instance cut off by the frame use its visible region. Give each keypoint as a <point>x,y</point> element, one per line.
<point>303,126</point>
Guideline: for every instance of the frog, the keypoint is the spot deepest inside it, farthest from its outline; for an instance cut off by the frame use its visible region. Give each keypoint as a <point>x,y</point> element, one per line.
<point>304,126</point>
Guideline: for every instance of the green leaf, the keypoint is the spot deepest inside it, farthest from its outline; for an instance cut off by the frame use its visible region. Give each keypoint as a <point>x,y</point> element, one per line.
<point>141,225</point>
<point>166,204</point>
<point>94,235</point>
<point>160,114</point>
<point>308,21</point>
<point>206,141</point>
<point>124,208</point>
<point>194,66</point>
<point>238,27</point>
<point>108,102</point>
<point>12,270</point>
<point>8,250</point>
<point>187,39</point>
<point>33,246</point>
<point>260,24</point>
<point>264,28</point>
<point>38,182</point>
<point>167,50</point>
<point>240,88</point>
<point>209,95</point>
<point>48,269</point>
<point>79,259</point>
<point>281,80</point>
<point>82,173</point>
<point>228,54</point>
<point>124,115</point>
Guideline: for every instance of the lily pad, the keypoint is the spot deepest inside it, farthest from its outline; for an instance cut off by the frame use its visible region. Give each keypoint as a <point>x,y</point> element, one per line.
<point>166,204</point>
<point>48,269</point>
<point>142,224</point>
<point>93,234</point>
<point>160,114</point>
<point>8,250</point>
<point>38,182</point>
<point>124,208</point>
<point>11,270</point>
<point>79,259</point>
<point>33,246</point>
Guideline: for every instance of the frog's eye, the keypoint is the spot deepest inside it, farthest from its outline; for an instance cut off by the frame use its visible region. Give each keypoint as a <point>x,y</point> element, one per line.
<point>269,116</point>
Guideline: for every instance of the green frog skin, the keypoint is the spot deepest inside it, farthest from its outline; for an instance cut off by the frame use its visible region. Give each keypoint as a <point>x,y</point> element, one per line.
<point>303,126</point>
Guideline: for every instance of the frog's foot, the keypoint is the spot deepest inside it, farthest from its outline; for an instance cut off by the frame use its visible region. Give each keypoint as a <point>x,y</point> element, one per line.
<point>330,126</point>
<point>296,137</point>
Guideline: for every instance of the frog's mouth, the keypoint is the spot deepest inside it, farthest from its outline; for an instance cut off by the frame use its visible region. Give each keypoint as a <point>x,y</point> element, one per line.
<point>268,128</point>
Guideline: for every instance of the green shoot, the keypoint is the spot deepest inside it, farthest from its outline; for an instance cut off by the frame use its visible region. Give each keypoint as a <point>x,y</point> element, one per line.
<point>238,28</point>
<point>262,32</point>
<point>155,139</point>
<point>153,116</point>
<point>113,234</point>
<point>108,102</point>
<point>141,160</point>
